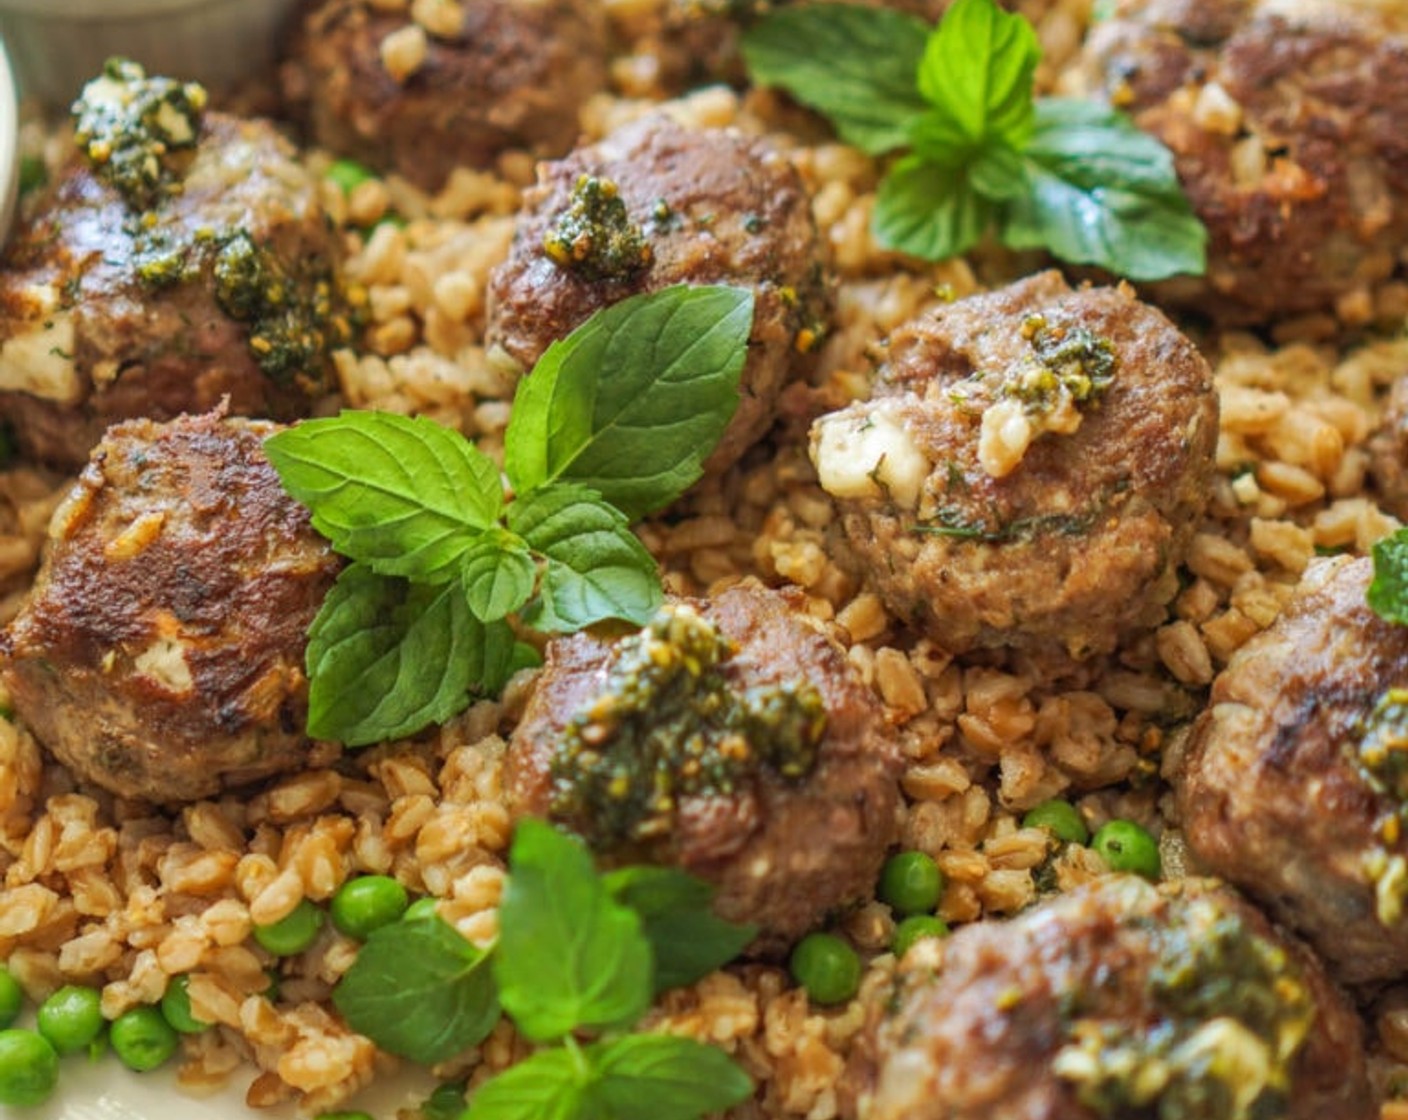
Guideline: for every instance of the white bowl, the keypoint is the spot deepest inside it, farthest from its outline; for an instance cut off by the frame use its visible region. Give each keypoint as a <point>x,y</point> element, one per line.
<point>9,145</point>
<point>57,45</point>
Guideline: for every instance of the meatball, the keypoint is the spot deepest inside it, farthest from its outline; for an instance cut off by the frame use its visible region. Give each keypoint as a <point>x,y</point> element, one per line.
<point>1029,470</point>
<point>1289,126</point>
<point>657,204</point>
<point>423,99</point>
<point>1118,999</point>
<point>1388,452</point>
<point>730,738</point>
<point>1291,786</point>
<point>127,297</point>
<point>160,652</point>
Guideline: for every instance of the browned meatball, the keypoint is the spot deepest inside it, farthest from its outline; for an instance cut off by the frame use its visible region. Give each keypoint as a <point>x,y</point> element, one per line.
<point>1289,124</point>
<point>1119,999</point>
<point>701,206</point>
<point>989,504</point>
<point>117,305</point>
<point>160,652</point>
<point>1388,452</point>
<point>1293,787</point>
<point>730,738</point>
<point>375,84</point>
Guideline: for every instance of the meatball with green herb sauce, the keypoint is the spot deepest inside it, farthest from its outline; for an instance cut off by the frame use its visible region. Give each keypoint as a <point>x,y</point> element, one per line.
<point>1115,1001</point>
<point>180,259</point>
<point>1029,470</point>
<point>1294,784</point>
<point>656,204</point>
<point>729,737</point>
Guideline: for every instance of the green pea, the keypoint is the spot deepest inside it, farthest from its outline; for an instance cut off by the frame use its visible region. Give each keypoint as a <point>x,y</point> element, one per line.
<point>915,928</point>
<point>911,883</point>
<point>71,1018</point>
<point>176,1007</point>
<point>29,1068</point>
<point>292,933</point>
<point>348,174</point>
<point>142,1039</point>
<point>1125,846</point>
<point>367,903</point>
<point>1061,819</point>
<point>421,909</point>
<point>827,967</point>
<point>11,998</point>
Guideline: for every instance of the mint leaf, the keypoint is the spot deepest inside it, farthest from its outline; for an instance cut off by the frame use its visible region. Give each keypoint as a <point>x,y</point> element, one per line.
<point>568,956</point>
<point>1104,193</point>
<point>497,572</point>
<point>402,494</point>
<point>596,567</point>
<point>632,402</point>
<point>977,70</point>
<point>689,939</point>
<point>386,658</point>
<point>856,66</point>
<point>419,990</point>
<point>548,1085</point>
<point>1388,592</point>
<point>928,211</point>
<point>659,1077</point>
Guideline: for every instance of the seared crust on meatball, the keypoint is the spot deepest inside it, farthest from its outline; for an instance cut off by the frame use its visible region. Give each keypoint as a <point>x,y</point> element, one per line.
<point>105,317</point>
<point>1388,452</point>
<point>508,74</point>
<point>1020,1016</point>
<point>1289,126</point>
<point>160,652</point>
<point>1272,791</point>
<point>1074,547</point>
<point>782,852</point>
<point>713,208</point>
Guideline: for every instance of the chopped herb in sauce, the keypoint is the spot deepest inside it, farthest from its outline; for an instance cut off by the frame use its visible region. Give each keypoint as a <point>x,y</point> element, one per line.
<point>595,237</point>
<point>1233,1012</point>
<point>132,129</point>
<point>293,321</point>
<point>667,724</point>
<point>1382,750</point>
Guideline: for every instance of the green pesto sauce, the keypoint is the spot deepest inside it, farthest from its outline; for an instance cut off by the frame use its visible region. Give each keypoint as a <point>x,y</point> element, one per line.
<point>594,236</point>
<point>1067,363</point>
<point>130,127</point>
<point>293,321</point>
<point>1233,1012</point>
<point>666,725</point>
<point>1382,750</point>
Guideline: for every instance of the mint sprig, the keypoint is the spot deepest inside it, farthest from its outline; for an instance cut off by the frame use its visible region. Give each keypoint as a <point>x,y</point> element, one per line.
<point>1388,591</point>
<point>615,421</point>
<point>976,150</point>
<point>570,959</point>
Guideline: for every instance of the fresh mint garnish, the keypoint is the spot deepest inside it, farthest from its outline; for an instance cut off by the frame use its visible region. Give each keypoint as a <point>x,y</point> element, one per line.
<point>569,955</point>
<point>1388,593</point>
<point>689,940</point>
<point>596,568</point>
<point>387,657</point>
<point>405,495</point>
<point>632,402</point>
<point>975,149</point>
<point>571,959</point>
<point>616,420</point>
<point>419,990</point>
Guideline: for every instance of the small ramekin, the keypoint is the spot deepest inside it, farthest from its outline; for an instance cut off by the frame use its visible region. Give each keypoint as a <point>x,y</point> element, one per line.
<point>57,45</point>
